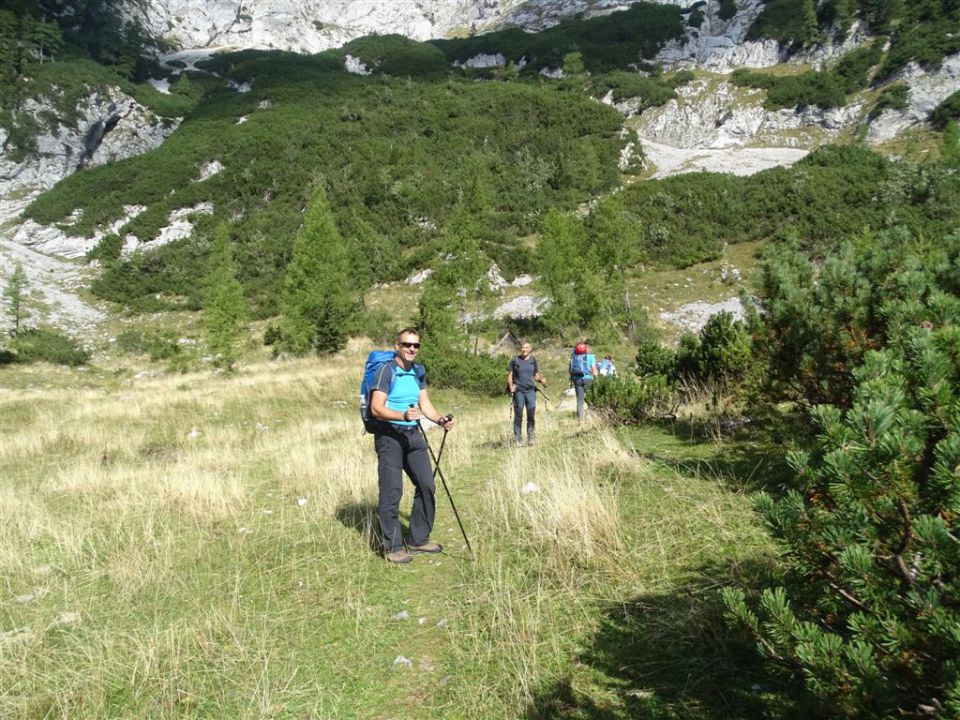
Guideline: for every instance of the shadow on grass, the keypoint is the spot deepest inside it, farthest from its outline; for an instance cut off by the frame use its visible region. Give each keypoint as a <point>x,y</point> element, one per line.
<point>362,517</point>
<point>749,468</point>
<point>752,455</point>
<point>666,656</point>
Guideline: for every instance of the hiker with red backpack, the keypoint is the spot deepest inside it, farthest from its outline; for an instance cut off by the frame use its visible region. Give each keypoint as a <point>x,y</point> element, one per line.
<point>522,377</point>
<point>583,369</point>
<point>398,399</point>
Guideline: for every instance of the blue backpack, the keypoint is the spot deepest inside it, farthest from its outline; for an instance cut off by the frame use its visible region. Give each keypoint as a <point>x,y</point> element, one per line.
<point>580,365</point>
<point>375,360</point>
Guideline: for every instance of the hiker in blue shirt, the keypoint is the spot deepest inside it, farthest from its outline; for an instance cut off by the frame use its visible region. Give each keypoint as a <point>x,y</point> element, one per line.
<point>522,376</point>
<point>398,400</point>
<point>583,369</point>
<point>606,368</point>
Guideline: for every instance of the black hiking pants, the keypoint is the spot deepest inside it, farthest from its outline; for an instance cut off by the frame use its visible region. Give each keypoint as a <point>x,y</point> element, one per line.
<point>403,450</point>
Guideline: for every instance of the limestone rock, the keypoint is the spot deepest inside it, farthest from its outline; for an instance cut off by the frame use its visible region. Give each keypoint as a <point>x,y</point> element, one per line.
<point>110,126</point>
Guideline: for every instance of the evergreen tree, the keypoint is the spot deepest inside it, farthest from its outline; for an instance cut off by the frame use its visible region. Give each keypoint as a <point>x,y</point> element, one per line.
<point>462,268</point>
<point>437,318</point>
<point>615,250</point>
<point>723,352</point>
<point>811,28</point>
<point>13,294</point>
<point>843,13</point>
<point>316,300</point>
<point>951,144</point>
<point>868,611</point>
<point>224,306</point>
<point>573,64</point>
<point>820,321</point>
<point>562,267</point>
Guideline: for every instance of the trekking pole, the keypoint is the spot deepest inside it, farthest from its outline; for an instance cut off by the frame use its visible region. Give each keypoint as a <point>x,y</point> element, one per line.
<point>443,480</point>
<point>544,395</point>
<point>449,416</point>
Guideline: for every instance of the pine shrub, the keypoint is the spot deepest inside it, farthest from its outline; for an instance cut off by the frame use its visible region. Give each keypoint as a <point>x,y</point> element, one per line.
<point>623,400</point>
<point>867,613</point>
<point>40,344</point>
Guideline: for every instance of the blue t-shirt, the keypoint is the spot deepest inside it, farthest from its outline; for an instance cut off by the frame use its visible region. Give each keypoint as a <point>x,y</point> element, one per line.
<point>402,388</point>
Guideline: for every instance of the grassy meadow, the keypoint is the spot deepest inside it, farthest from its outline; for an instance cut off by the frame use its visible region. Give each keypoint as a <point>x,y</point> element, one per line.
<point>200,545</point>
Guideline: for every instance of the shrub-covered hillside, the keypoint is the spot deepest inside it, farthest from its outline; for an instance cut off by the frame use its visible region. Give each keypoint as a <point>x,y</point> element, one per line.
<point>831,194</point>
<point>394,155</point>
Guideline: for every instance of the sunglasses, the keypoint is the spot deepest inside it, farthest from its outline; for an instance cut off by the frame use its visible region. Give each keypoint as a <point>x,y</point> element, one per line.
<point>415,346</point>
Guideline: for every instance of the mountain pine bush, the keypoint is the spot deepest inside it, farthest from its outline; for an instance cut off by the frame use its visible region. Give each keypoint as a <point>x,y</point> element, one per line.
<point>822,318</point>
<point>867,613</point>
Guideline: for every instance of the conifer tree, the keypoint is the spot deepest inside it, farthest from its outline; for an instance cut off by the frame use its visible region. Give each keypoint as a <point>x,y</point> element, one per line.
<point>13,294</point>
<point>811,28</point>
<point>614,252</point>
<point>560,256</point>
<point>843,12</point>
<point>224,306</point>
<point>316,299</point>
<point>581,300</point>
<point>868,611</point>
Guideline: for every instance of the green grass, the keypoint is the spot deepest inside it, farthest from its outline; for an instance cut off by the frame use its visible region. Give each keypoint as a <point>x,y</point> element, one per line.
<point>202,588</point>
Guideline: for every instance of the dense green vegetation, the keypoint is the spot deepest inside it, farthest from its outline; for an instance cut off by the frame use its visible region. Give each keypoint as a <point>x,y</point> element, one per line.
<point>833,193</point>
<point>946,111</point>
<point>394,156</point>
<point>924,32</point>
<point>30,345</point>
<point>334,182</point>
<point>97,29</point>
<point>609,42</point>
<point>60,52</point>
<point>866,608</point>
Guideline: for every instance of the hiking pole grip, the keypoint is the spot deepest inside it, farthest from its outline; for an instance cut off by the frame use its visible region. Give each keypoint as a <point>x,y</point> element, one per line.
<point>448,417</point>
<point>436,463</point>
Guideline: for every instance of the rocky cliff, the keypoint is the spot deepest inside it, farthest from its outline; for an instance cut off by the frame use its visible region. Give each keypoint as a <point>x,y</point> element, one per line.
<point>314,25</point>
<point>107,126</point>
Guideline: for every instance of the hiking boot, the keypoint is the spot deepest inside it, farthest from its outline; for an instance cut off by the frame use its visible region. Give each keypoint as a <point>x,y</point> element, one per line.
<point>427,547</point>
<point>531,442</point>
<point>399,557</point>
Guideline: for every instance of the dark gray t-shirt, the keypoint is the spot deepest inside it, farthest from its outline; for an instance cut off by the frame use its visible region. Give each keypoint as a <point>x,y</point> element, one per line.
<point>523,372</point>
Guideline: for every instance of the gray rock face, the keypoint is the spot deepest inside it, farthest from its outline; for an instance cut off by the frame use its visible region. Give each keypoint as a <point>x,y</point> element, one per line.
<point>315,25</point>
<point>711,113</point>
<point>111,126</point>
<point>927,90</point>
<point>720,45</point>
<point>308,25</point>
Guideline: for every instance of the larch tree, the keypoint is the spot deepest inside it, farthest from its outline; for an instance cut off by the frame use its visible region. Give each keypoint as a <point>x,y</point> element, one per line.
<point>13,295</point>
<point>224,305</point>
<point>316,301</point>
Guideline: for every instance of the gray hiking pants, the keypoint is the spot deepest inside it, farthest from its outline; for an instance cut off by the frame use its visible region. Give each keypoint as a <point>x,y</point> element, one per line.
<point>580,387</point>
<point>402,450</point>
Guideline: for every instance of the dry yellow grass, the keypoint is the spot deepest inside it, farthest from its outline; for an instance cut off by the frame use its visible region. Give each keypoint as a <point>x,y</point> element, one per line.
<point>200,544</point>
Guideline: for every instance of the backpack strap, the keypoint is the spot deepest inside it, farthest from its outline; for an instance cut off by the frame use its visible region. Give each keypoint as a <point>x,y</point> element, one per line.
<point>420,372</point>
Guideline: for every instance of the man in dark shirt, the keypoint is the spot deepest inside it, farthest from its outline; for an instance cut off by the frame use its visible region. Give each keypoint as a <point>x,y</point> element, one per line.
<point>522,376</point>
